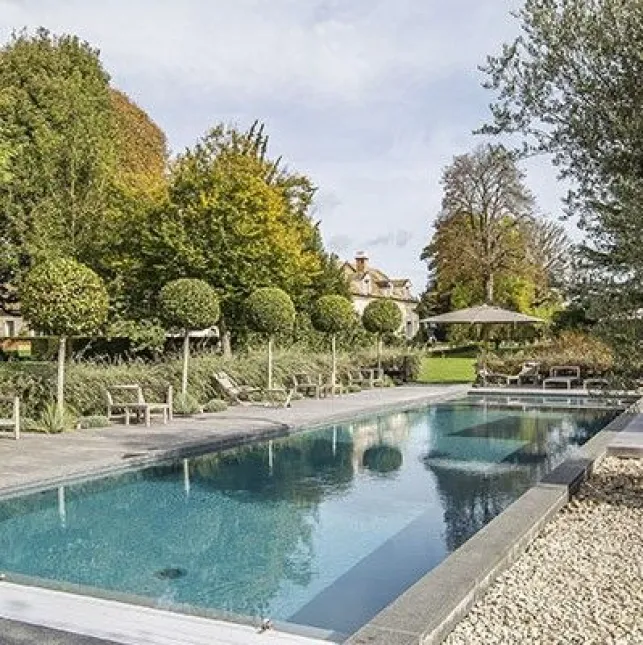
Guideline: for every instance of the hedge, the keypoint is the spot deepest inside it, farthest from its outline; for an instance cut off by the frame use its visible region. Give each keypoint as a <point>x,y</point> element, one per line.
<point>35,382</point>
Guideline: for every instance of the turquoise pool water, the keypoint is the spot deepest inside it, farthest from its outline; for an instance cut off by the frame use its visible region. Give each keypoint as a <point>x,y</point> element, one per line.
<point>322,529</point>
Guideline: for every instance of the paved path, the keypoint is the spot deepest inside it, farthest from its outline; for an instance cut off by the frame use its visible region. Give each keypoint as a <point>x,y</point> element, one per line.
<point>629,441</point>
<point>37,459</point>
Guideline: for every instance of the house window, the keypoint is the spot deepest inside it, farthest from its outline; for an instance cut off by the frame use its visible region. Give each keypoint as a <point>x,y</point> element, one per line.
<point>366,285</point>
<point>9,328</point>
<point>409,329</point>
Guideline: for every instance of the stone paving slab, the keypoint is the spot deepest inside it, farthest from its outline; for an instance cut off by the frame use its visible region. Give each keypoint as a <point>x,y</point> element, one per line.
<point>629,441</point>
<point>13,633</point>
<point>37,459</point>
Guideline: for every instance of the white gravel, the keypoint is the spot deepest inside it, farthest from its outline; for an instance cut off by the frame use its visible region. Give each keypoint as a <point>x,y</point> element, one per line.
<point>581,580</point>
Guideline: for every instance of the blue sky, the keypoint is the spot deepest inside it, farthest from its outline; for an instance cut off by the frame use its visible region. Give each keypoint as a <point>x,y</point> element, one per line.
<point>371,98</point>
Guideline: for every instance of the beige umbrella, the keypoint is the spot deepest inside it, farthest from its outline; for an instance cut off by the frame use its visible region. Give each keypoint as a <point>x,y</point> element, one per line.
<point>484,314</point>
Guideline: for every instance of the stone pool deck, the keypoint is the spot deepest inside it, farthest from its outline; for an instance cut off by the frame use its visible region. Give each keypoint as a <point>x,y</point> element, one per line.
<point>36,459</point>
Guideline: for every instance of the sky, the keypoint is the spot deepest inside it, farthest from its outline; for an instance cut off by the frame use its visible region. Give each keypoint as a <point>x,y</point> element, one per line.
<point>370,98</point>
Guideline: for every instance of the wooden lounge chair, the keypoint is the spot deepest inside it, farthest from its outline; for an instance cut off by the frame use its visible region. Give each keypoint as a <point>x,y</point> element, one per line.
<point>12,422</point>
<point>486,377</point>
<point>567,375</point>
<point>127,400</point>
<point>248,395</point>
<point>327,387</point>
<point>529,374</point>
<point>304,383</point>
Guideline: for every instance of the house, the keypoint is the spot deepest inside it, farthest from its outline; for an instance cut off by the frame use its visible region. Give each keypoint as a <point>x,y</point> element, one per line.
<point>368,283</point>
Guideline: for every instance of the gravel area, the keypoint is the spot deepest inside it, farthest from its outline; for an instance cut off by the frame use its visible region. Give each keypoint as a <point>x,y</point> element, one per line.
<point>581,579</point>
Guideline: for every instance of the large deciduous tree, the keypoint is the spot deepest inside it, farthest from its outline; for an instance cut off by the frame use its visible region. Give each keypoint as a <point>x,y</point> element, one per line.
<point>55,112</point>
<point>570,84</point>
<point>237,220</point>
<point>479,233</point>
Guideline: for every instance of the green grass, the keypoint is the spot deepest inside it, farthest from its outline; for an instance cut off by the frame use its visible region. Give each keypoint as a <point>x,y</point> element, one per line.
<point>447,370</point>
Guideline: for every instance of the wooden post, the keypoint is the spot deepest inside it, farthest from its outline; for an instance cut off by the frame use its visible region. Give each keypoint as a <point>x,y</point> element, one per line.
<point>186,358</point>
<point>60,392</point>
<point>333,375</point>
<point>16,417</point>
<point>270,363</point>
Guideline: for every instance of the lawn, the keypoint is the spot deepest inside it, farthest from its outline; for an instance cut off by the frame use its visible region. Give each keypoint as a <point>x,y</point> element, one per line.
<point>447,370</point>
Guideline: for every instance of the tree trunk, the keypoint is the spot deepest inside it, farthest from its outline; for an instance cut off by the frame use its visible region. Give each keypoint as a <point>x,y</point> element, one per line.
<point>186,360</point>
<point>270,363</point>
<point>488,287</point>
<point>379,352</point>
<point>224,337</point>
<point>60,390</point>
<point>333,375</point>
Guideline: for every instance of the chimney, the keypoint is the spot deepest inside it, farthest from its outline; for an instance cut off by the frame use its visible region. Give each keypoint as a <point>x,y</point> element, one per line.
<point>361,262</point>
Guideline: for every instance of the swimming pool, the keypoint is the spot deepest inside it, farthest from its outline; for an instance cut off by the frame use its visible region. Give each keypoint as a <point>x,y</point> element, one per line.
<point>321,529</point>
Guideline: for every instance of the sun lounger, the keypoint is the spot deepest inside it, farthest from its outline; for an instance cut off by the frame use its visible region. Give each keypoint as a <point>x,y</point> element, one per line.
<point>567,375</point>
<point>12,422</point>
<point>128,400</point>
<point>304,383</point>
<point>328,388</point>
<point>487,377</point>
<point>248,395</point>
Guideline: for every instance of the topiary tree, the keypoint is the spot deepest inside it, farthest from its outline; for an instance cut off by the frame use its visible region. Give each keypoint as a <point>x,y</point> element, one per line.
<point>270,311</point>
<point>331,315</point>
<point>188,304</point>
<point>63,298</point>
<point>381,317</point>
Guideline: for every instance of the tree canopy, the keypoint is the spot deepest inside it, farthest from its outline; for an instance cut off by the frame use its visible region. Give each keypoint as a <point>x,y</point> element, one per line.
<point>333,314</point>
<point>490,244</point>
<point>189,304</point>
<point>570,85</point>
<point>382,317</point>
<point>270,311</point>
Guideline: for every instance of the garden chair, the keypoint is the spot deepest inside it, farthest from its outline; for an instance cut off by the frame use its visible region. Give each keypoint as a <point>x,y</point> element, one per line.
<point>567,375</point>
<point>12,422</point>
<point>303,383</point>
<point>247,394</point>
<point>127,400</point>
<point>486,377</point>
<point>327,387</point>
<point>529,373</point>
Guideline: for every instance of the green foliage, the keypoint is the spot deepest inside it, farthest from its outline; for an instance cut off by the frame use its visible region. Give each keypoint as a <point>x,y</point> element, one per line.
<point>54,420</point>
<point>143,335</point>
<point>270,311</point>
<point>381,317</point>
<point>215,405</point>
<point>56,115</point>
<point>186,404</point>
<point>64,298</point>
<point>333,314</point>
<point>189,304</point>
<point>94,421</point>
<point>588,352</point>
<point>236,220</point>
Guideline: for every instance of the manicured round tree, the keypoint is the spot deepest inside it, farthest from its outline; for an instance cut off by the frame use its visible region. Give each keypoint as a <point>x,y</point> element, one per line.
<point>331,315</point>
<point>63,298</point>
<point>187,305</point>
<point>381,317</point>
<point>270,311</point>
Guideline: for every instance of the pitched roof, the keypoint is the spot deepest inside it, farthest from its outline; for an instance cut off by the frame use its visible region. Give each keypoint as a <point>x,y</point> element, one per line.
<point>381,285</point>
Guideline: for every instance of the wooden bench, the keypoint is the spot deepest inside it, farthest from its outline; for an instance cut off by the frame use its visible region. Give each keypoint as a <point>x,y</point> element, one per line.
<point>127,400</point>
<point>567,375</point>
<point>13,422</point>
<point>304,384</point>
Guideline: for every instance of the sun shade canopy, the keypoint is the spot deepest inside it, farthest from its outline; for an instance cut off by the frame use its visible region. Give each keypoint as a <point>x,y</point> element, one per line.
<point>483,314</point>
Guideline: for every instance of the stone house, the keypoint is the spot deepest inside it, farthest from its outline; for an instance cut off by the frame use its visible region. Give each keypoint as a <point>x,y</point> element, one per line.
<point>368,283</point>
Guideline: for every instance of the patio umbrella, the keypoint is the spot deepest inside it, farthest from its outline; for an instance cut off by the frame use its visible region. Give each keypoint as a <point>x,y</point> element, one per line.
<point>484,315</point>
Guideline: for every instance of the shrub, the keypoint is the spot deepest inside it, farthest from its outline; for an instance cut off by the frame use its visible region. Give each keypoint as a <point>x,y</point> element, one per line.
<point>55,420</point>
<point>94,421</point>
<point>382,317</point>
<point>63,298</point>
<point>185,403</point>
<point>270,311</point>
<point>189,304</point>
<point>589,353</point>
<point>215,405</point>
<point>333,313</point>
